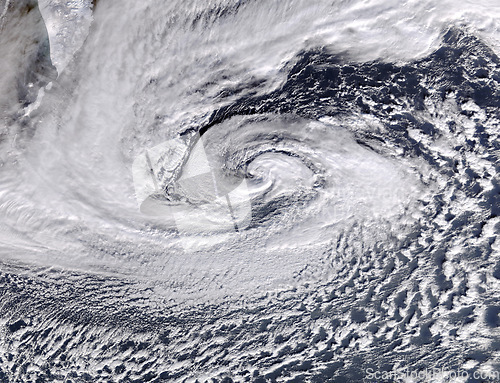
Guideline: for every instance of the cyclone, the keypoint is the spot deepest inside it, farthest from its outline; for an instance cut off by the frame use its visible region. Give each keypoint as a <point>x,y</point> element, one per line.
<point>240,191</point>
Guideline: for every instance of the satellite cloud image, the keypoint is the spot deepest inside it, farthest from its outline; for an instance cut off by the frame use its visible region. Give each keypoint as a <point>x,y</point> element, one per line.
<point>227,191</point>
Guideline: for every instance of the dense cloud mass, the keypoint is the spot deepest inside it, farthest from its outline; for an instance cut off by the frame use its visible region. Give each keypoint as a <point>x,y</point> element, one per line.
<point>368,251</point>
